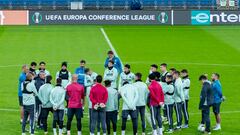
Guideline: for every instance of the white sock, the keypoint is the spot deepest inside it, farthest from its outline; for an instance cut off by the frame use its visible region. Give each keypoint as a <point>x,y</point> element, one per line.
<point>104,133</point>
<point>45,133</point>
<point>154,132</point>
<point>160,131</point>
<point>123,132</point>
<point>55,131</point>
<point>114,133</point>
<point>23,134</point>
<point>68,132</point>
<point>60,131</point>
<point>79,133</point>
<point>98,133</point>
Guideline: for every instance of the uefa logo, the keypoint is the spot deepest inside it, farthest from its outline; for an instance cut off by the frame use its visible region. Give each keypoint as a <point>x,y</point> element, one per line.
<point>36,17</point>
<point>200,17</point>
<point>162,17</point>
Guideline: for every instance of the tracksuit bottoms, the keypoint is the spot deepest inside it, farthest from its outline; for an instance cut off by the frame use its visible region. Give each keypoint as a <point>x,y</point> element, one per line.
<point>141,112</point>
<point>111,117</point>
<point>45,112</point>
<point>39,111</point>
<point>28,110</point>
<point>169,110</point>
<point>185,112</point>
<point>98,115</point>
<point>133,115</point>
<point>90,121</point>
<point>206,117</point>
<point>58,116</point>
<point>156,116</point>
<point>178,108</point>
<point>78,112</point>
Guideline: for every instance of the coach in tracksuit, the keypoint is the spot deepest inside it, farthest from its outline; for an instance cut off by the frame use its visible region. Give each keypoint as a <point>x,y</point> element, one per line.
<point>80,71</point>
<point>29,92</point>
<point>65,75</point>
<point>111,108</point>
<point>111,74</point>
<point>57,98</point>
<point>206,101</point>
<point>75,93</point>
<point>143,92</point>
<point>178,97</point>
<point>130,97</point>
<point>115,59</point>
<point>98,96</point>
<point>169,101</point>
<point>218,98</point>
<point>44,96</point>
<point>186,86</point>
<point>156,101</point>
<point>39,81</point>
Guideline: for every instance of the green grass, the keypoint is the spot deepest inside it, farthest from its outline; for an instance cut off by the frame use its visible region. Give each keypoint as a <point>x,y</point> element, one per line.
<point>199,49</point>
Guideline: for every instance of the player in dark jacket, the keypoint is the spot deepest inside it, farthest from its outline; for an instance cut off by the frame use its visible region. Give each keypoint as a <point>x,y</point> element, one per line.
<point>206,101</point>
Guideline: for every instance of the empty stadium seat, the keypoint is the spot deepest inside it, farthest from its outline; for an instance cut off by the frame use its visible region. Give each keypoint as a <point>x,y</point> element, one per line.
<point>107,3</point>
<point>178,3</point>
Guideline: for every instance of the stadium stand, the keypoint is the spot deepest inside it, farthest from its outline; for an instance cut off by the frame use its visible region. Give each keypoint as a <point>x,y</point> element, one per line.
<point>108,4</point>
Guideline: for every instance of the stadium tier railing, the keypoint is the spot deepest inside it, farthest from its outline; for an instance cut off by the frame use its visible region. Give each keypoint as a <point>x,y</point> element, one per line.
<point>109,4</point>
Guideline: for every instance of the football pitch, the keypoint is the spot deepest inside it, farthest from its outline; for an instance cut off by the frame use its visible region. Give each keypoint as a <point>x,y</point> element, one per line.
<point>199,49</point>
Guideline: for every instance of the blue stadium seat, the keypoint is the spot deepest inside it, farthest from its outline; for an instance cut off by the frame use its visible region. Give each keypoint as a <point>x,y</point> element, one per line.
<point>207,3</point>
<point>62,3</point>
<point>178,3</point>
<point>4,3</point>
<point>121,3</point>
<point>164,3</point>
<point>192,3</point>
<point>109,3</point>
<point>105,3</point>
<point>89,3</point>
<point>149,3</point>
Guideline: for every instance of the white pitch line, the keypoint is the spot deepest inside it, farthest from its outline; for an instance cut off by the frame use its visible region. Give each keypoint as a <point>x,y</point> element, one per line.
<point>9,110</point>
<point>223,112</point>
<point>189,63</point>
<point>115,52</point>
<point>50,64</point>
<point>139,62</point>
<point>110,44</point>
